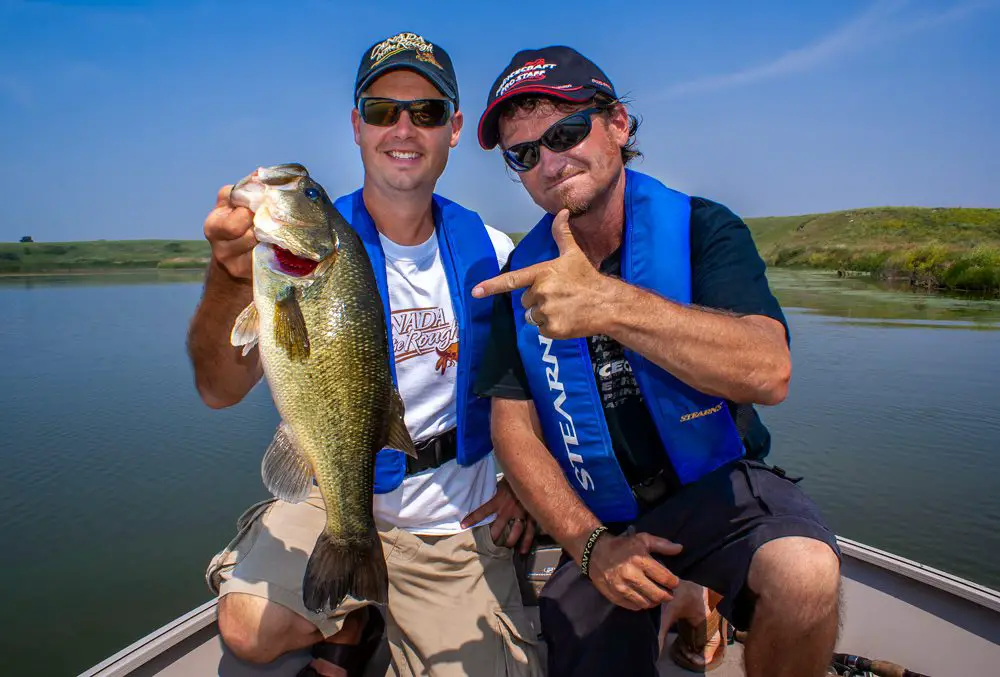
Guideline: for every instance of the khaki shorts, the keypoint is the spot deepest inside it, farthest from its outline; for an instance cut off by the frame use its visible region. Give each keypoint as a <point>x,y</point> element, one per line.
<point>454,607</point>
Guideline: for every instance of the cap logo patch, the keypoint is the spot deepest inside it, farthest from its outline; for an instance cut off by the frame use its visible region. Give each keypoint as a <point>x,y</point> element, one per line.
<point>533,70</point>
<point>600,83</point>
<point>401,42</point>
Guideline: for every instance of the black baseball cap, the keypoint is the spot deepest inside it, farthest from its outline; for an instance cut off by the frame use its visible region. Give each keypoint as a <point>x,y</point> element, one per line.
<point>412,52</point>
<point>557,71</point>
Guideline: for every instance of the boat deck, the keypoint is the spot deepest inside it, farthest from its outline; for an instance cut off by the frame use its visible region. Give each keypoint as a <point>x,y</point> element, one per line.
<point>894,609</point>
<point>205,654</point>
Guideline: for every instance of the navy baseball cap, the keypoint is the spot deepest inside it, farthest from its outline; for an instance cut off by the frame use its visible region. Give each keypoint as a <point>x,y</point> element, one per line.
<point>557,71</point>
<point>412,52</point>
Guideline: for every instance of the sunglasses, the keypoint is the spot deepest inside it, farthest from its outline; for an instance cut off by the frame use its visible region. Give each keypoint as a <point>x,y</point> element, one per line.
<point>560,137</point>
<point>423,112</point>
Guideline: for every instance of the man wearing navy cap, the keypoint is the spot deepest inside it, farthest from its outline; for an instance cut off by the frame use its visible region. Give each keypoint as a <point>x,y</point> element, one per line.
<point>633,332</point>
<point>454,600</point>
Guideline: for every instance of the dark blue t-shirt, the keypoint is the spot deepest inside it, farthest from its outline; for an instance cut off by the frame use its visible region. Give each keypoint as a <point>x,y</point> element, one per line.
<point>727,274</point>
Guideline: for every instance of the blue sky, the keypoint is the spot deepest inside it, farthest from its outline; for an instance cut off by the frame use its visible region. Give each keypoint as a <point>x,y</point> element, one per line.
<point>121,119</point>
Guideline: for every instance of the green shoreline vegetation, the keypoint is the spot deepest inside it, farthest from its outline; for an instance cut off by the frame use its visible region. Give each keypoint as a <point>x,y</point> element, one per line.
<point>938,248</point>
<point>31,258</point>
<point>954,249</point>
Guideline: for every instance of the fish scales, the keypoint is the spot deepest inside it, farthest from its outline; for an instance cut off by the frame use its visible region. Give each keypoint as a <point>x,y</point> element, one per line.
<point>317,320</point>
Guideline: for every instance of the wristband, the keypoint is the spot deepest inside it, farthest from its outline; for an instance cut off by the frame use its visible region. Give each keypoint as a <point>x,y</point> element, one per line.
<point>589,548</point>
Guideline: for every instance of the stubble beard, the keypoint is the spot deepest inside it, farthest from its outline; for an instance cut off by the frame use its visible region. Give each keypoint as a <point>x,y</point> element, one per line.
<point>577,206</point>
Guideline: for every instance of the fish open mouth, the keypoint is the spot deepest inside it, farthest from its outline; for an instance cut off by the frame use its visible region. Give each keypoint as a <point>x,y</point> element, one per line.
<point>290,264</point>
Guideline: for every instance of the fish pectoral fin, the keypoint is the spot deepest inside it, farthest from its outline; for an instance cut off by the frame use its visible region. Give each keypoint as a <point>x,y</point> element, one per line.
<point>245,329</point>
<point>290,325</point>
<point>286,471</point>
<point>399,436</point>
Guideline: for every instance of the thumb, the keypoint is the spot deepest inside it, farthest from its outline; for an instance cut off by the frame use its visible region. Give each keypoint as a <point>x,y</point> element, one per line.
<point>660,545</point>
<point>562,234</point>
<point>479,514</point>
<point>222,198</point>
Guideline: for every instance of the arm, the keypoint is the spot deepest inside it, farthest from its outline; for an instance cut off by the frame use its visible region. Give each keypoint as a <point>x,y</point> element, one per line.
<point>743,359</point>
<point>536,477</point>
<point>622,568</point>
<point>742,356</point>
<point>732,340</point>
<point>223,376</point>
<point>528,467</point>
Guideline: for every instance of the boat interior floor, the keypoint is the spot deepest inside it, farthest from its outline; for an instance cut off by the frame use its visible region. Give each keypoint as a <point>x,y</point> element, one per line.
<point>893,609</point>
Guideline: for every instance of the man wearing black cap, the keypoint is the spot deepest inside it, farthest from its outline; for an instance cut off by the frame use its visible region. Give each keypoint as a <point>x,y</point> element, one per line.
<point>633,332</point>
<point>454,600</point>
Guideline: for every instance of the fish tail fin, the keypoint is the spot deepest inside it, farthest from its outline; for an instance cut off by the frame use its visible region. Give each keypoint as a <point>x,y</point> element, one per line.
<point>339,568</point>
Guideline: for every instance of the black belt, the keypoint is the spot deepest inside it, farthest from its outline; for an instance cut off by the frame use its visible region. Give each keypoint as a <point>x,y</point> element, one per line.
<point>433,452</point>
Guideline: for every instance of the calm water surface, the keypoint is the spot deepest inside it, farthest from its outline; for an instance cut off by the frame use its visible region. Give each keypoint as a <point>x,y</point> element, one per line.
<point>118,484</point>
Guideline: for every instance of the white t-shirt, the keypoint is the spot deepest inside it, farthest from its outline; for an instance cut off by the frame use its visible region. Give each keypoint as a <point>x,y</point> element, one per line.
<point>425,345</point>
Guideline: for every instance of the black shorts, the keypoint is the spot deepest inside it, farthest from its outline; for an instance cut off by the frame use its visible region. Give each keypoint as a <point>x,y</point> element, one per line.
<point>720,520</point>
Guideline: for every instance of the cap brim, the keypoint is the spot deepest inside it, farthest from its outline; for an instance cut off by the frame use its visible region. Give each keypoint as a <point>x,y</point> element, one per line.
<point>427,71</point>
<point>489,134</point>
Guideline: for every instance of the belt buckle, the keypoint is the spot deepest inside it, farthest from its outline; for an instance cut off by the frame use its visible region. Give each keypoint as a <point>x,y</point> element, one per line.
<point>649,491</point>
<point>429,455</point>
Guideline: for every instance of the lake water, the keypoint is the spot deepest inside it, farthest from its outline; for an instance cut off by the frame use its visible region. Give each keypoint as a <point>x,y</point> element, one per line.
<point>118,484</point>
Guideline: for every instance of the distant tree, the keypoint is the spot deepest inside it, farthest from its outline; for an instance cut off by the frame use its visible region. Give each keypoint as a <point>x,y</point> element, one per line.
<point>26,238</point>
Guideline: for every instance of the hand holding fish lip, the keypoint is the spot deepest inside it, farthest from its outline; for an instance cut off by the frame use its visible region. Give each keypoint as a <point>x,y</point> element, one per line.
<point>565,296</point>
<point>229,229</point>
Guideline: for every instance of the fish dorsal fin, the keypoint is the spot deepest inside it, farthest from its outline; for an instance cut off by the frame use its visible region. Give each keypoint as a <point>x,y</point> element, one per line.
<point>245,329</point>
<point>399,436</point>
<point>286,471</point>
<point>290,325</point>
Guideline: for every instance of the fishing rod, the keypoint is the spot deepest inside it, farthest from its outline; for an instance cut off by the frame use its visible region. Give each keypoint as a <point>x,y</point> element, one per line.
<point>849,665</point>
<point>859,665</point>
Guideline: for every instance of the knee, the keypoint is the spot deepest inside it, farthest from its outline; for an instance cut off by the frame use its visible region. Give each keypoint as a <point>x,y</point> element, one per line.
<point>243,640</point>
<point>797,577</point>
<point>250,633</point>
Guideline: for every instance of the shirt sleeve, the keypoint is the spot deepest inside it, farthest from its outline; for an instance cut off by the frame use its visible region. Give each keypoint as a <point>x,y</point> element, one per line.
<point>727,271</point>
<point>502,244</point>
<point>501,373</point>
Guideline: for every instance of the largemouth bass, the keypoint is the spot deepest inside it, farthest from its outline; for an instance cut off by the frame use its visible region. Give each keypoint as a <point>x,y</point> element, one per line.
<point>318,322</point>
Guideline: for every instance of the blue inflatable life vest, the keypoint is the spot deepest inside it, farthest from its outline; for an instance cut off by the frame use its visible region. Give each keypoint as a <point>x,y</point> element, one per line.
<point>697,430</point>
<point>468,257</point>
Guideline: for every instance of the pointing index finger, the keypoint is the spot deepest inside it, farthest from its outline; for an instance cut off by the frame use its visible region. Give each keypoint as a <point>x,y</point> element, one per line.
<point>508,282</point>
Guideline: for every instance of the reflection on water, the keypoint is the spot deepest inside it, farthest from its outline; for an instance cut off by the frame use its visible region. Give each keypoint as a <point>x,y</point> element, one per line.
<point>823,293</point>
<point>125,277</point>
<point>119,484</point>
<point>893,416</point>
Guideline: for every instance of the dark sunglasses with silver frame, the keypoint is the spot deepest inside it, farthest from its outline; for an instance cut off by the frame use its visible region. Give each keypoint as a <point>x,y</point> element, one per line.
<point>384,112</point>
<point>560,137</point>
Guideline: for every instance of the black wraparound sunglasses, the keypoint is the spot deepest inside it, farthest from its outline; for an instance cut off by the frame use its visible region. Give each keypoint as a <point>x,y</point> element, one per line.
<point>560,137</point>
<point>383,112</point>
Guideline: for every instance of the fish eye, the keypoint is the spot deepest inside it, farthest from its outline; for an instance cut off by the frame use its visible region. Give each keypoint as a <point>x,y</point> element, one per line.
<point>312,193</point>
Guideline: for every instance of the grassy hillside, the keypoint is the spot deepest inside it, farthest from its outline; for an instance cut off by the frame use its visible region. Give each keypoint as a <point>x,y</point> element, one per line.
<point>947,248</point>
<point>48,257</point>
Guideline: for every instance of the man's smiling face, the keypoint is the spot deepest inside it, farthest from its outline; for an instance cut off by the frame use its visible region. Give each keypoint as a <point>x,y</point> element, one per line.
<point>574,178</point>
<point>405,157</point>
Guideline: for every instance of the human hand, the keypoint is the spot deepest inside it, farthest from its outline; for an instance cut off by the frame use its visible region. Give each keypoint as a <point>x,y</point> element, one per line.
<point>511,519</point>
<point>229,229</point>
<point>622,568</point>
<point>564,296</point>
